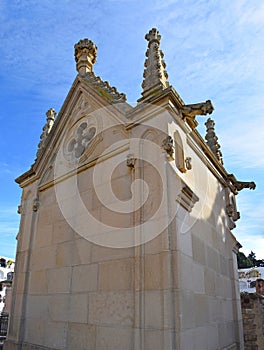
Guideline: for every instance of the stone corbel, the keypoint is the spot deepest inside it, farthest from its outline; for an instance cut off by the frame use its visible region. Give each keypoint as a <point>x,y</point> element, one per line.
<point>167,145</point>
<point>131,161</point>
<point>188,163</point>
<point>236,247</point>
<point>187,198</point>
<point>36,204</point>
<point>232,213</point>
<point>20,209</point>
<point>190,111</point>
<point>231,210</point>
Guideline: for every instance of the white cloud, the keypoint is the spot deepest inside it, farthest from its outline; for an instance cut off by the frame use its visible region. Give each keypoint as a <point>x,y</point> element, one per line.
<point>253,243</point>
<point>250,228</point>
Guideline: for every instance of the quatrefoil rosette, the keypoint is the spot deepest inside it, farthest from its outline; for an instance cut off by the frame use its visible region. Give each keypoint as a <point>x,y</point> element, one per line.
<point>82,139</point>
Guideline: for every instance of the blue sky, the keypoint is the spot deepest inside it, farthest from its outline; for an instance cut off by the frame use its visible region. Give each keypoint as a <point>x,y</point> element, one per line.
<point>214,49</point>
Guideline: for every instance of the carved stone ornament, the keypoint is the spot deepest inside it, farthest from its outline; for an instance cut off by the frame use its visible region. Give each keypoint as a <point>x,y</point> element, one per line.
<point>51,114</point>
<point>187,198</point>
<point>192,110</point>
<point>36,204</point>
<point>83,136</point>
<point>103,87</point>
<point>212,140</point>
<point>167,145</point>
<point>85,52</point>
<point>155,75</point>
<point>131,161</point>
<point>231,208</point>
<point>239,185</point>
<point>19,209</point>
<point>188,163</point>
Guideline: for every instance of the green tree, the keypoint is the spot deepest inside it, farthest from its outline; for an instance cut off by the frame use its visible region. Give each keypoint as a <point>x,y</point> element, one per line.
<point>252,258</point>
<point>243,262</point>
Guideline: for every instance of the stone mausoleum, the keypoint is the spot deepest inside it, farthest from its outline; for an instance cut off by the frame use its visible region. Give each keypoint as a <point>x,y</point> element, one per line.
<point>126,215</point>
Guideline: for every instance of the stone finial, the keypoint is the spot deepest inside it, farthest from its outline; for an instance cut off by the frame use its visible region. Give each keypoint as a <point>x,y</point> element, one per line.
<point>155,75</point>
<point>212,139</point>
<point>51,114</point>
<point>85,52</point>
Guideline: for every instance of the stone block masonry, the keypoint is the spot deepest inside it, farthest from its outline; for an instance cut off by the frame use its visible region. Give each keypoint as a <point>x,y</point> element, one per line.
<point>253,320</point>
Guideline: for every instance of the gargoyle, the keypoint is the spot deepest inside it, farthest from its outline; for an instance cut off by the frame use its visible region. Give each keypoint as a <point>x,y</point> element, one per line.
<point>240,185</point>
<point>190,111</point>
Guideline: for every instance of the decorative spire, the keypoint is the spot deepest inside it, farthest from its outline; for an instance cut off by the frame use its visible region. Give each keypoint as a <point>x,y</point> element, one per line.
<point>155,75</point>
<point>212,139</point>
<point>51,114</point>
<point>85,52</point>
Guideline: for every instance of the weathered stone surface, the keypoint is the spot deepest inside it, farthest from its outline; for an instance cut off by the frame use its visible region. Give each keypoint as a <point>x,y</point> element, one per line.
<point>59,280</point>
<point>81,336</point>
<point>85,55</point>
<point>253,320</point>
<point>169,282</point>
<point>112,308</point>
<point>211,139</point>
<point>84,278</point>
<point>155,75</point>
<point>116,275</point>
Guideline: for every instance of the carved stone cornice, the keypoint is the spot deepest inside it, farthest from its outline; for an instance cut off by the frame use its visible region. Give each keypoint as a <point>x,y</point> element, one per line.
<point>190,111</point>
<point>155,76</point>
<point>85,52</point>
<point>104,88</point>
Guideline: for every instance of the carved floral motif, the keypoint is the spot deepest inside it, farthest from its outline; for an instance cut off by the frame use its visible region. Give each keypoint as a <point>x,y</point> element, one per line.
<point>85,52</point>
<point>84,135</point>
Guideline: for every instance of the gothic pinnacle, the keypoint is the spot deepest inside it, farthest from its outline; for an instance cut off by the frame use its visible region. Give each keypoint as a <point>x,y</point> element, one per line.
<point>51,114</point>
<point>85,52</point>
<point>212,139</point>
<point>155,75</point>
